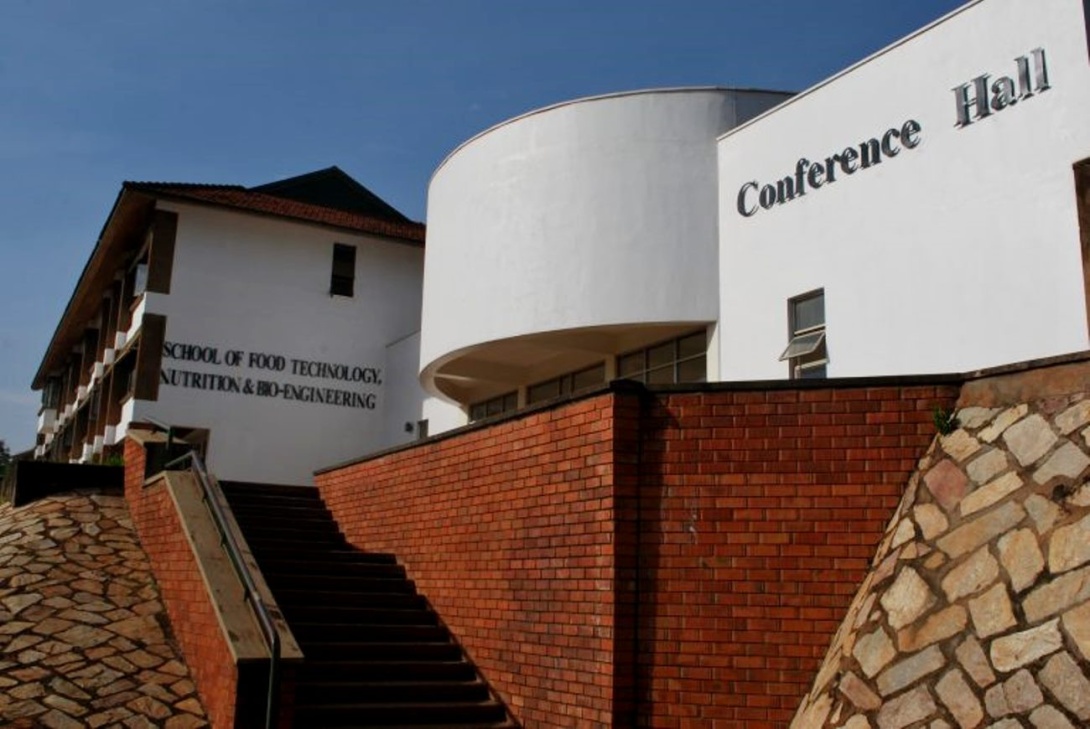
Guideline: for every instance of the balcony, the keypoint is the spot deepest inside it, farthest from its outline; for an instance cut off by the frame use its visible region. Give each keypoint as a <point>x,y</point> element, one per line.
<point>47,420</point>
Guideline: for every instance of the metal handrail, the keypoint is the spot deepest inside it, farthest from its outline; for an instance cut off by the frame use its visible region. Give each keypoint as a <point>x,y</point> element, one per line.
<point>252,594</point>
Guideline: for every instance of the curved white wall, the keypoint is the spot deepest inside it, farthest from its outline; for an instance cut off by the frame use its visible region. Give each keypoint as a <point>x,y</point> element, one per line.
<point>595,213</point>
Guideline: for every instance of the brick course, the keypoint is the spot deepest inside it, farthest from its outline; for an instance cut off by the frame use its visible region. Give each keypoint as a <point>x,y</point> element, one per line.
<point>680,557</point>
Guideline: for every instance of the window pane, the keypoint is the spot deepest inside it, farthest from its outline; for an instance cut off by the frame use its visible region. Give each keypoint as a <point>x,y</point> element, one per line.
<point>510,401</point>
<point>477,412</point>
<point>343,277</point>
<point>692,345</point>
<point>693,370</point>
<point>803,345</point>
<point>543,391</point>
<point>660,355</point>
<point>661,375</point>
<point>812,372</point>
<point>630,366</point>
<point>589,377</point>
<point>809,312</point>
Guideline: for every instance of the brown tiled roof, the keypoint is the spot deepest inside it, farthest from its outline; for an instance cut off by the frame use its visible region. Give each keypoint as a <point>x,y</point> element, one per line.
<point>240,198</point>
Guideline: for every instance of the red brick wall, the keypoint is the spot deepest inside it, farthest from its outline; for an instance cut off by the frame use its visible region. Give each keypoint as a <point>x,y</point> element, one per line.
<point>760,512</point>
<point>682,558</point>
<point>508,531</point>
<point>192,617</point>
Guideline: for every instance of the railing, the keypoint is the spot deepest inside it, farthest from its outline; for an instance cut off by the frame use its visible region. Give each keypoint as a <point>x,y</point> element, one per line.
<point>209,491</point>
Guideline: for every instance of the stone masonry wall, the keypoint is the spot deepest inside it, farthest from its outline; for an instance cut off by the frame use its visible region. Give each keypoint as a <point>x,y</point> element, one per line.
<point>717,535</point>
<point>976,612</point>
<point>192,616</point>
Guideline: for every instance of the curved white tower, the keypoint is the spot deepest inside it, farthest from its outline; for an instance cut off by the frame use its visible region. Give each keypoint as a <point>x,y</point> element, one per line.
<point>573,234</point>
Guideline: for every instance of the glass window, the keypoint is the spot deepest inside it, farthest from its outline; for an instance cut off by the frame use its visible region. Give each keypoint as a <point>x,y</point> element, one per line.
<point>806,352</point>
<point>567,384</point>
<point>498,405</point>
<point>679,360</point>
<point>343,279</point>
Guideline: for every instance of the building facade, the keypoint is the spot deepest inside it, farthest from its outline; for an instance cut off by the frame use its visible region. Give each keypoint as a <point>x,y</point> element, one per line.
<point>939,183</point>
<point>254,314</point>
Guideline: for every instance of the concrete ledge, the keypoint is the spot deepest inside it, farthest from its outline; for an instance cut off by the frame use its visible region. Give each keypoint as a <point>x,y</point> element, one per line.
<point>236,619</point>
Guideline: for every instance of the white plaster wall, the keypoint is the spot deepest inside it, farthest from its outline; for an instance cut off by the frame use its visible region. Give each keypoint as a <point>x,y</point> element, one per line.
<point>259,284</point>
<point>595,212</point>
<point>407,402</point>
<point>442,415</point>
<point>958,254</point>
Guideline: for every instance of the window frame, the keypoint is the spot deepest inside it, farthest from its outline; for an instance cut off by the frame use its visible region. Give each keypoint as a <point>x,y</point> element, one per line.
<point>813,358</point>
<point>342,276</point>
<point>502,404</point>
<point>674,363</point>
<point>566,384</point>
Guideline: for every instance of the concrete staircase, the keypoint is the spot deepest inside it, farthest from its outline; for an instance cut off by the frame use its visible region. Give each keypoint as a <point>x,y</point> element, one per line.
<point>376,654</point>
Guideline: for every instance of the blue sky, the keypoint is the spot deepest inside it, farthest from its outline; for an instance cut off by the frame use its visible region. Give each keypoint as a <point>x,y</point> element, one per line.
<point>234,91</point>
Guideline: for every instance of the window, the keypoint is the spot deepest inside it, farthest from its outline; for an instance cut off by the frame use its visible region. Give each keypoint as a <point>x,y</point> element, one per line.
<point>806,352</point>
<point>567,384</point>
<point>140,278</point>
<point>51,394</point>
<point>343,280</point>
<point>684,359</point>
<point>498,405</point>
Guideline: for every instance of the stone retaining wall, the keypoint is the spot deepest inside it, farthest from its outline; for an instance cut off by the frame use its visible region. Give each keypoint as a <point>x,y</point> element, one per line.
<point>977,609</point>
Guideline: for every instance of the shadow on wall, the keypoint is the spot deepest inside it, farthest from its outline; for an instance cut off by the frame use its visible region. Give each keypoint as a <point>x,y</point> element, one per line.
<point>27,480</point>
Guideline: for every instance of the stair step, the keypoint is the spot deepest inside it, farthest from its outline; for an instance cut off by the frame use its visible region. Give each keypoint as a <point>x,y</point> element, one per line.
<point>376,653</point>
<point>365,614</point>
<point>359,692</point>
<point>268,552</point>
<point>387,670</point>
<point>338,583</point>
<point>440,713</point>
<point>232,488</point>
<point>282,518</point>
<point>299,501</point>
<point>318,567</point>
<point>400,651</point>
<point>365,633</point>
<point>505,724</point>
<point>295,538</point>
<point>289,599</point>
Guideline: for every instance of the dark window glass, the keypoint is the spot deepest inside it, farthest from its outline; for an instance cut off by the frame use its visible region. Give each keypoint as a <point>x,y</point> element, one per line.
<point>693,370</point>
<point>631,366</point>
<point>679,360</point>
<point>809,312</point>
<point>343,280</point>
<point>494,406</point>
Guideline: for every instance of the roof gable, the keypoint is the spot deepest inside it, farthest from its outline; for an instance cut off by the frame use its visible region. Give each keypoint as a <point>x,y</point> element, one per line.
<point>332,188</point>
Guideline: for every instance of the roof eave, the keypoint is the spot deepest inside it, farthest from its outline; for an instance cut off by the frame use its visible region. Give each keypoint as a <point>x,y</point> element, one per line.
<point>186,199</point>
<point>127,202</point>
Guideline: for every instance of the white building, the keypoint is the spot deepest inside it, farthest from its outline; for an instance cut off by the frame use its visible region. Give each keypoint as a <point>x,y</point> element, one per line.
<point>934,202</point>
<point>917,213</point>
<point>262,315</point>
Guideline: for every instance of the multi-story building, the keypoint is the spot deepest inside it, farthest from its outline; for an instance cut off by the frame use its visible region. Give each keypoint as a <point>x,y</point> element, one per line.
<point>256,314</point>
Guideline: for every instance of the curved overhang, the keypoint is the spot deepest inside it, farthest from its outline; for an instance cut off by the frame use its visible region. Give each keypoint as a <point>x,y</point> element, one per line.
<point>572,233</point>
<point>484,371</point>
